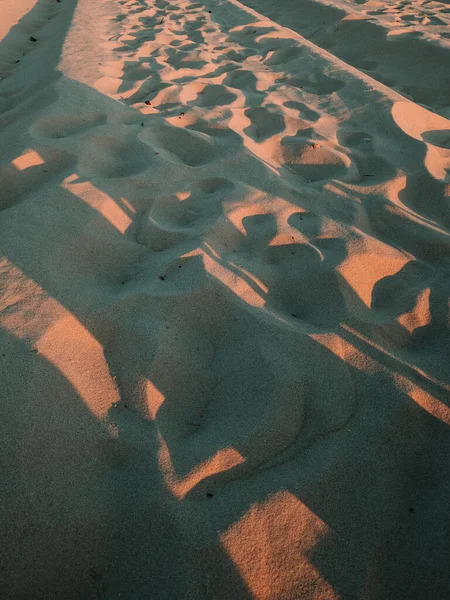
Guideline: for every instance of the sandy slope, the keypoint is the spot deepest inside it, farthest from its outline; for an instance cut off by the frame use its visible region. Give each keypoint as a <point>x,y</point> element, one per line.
<point>224,313</point>
<point>404,44</point>
<point>12,12</point>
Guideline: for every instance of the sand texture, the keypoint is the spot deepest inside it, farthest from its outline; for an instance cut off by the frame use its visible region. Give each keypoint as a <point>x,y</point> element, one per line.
<point>224,300</point>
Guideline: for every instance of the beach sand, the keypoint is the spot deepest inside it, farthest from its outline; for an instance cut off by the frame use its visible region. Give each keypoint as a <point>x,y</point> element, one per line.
<point>12,12</point>
<point>224,300</point>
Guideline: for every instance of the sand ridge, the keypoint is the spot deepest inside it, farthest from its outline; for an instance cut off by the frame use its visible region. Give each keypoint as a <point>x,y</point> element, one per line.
<point>401,43</point>
<point>224,312</point>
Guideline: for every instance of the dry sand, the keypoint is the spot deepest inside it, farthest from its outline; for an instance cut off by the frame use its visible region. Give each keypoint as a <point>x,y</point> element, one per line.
<point>11,12</point>
<point>224,300</point>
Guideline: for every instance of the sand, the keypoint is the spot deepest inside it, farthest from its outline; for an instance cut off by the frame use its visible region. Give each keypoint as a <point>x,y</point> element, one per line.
<point>224,300</point>
<point>11,13</point>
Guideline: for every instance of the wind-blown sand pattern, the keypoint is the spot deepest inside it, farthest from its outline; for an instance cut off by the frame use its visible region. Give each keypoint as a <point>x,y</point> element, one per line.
<point>224,301</point>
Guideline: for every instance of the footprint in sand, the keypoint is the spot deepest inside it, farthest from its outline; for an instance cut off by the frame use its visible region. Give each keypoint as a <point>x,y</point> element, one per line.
<point>282,56</point>
<point>294,402</point>
<point>181,59</point>
<point>246,32</point>
<point>303,283</point>
<point>191,27</point>
<point>300,277</point>
<point>317,83</point>
<point>215,399</point>
<point>185,215</point>
<point>193,147</point>
<point>395,295</point>
<point>137,71</point>
<point>149,90</point>
<point>28,172</point>
<point>305,111</point>
<point>215,95</point>
<point>242,79</point>
<point>439,138</point>
<point>106,155</point>
<point>372,168</point>
<point>237,55</point>
<point>316,161</point>
<point>412,305</point>
<point>265,123</point>
<point>352,138</point>
<point>65,125</point>
<point>180,145</point>
<point>195,7</point>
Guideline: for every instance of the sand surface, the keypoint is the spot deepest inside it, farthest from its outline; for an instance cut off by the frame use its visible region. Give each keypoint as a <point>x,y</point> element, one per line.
<point>11,12</point>
<point>224,300</point>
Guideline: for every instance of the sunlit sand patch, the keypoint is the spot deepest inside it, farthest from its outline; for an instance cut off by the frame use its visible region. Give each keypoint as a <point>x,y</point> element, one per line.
<point>224,460</point>
<point>428,127</point>
<point>366,264</point>
<point>271,547</point>
<point>98,200</point>
<point>398,185</point>
<point>419,315</point>
<point>235,282</point>
<point>283,238</point>
<point>26,309</point>
<point>154,398</point>
<point>12,13</point>
<point>437,161</point>
<point>29,313</point>
<point>127,204</point>
<point>347,352</point>
<point>427,401</point>
<point>109,85</point>
<point>255,202</point>
<point>182,196</point>
<point>29,158</point>
<point>415,121</point>
<point>383,351</point>
<point>76,353</point>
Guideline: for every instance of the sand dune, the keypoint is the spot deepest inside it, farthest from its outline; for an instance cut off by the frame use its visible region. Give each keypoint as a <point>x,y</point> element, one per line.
<point>224,300</point>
